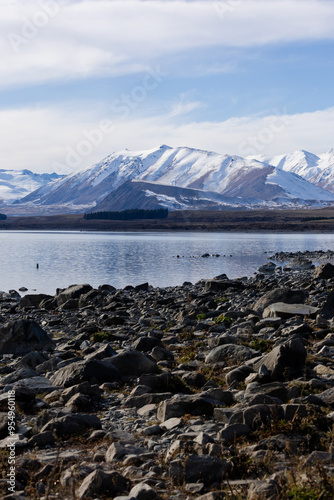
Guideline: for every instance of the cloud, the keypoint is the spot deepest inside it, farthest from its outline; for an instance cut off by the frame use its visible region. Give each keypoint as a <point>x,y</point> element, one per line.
<point>184,106</point>
<point>57,40</point>
<point>64,139</point>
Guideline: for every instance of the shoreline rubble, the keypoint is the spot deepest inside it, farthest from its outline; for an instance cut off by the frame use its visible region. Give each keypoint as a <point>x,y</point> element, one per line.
<point>201,391</point>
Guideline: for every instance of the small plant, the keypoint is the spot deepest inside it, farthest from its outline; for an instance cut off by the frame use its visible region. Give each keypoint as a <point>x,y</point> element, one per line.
<point>101,336</point>
<point>223,320</point>
<point>200,317</point>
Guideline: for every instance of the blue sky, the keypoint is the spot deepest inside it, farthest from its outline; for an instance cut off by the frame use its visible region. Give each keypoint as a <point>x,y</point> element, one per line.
<point>81,79</point>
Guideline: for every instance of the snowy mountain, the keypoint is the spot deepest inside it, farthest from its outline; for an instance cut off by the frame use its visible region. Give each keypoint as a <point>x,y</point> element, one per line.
<point>15,184</point>
<point>252,180</point>
<point>318,170</point>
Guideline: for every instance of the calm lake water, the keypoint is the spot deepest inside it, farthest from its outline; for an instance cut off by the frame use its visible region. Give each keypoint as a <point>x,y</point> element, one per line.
<point>122,259</point>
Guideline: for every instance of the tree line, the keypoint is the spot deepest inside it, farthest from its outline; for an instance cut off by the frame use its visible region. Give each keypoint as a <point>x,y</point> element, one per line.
<point>3,217</point>
<point>136,213</point>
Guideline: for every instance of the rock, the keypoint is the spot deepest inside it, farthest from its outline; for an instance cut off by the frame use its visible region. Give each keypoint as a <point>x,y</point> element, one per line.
<point>195,468</point>
<point>264,489</point>
<point>72,292</point>
<point>72,424</point>
<point>33,300</point>
<point>42,439</point>
<point>180,405</point>
<point>143,491</point>
<point>280,295</point>
<point>236,354</point>
<point>238,374</point>
<point>269,267</point>
<point>91,371</point>
<point>146,344</point>
<point>222,285</point>
<point>33,359</point>
<point>133,363</point>
<point>282,310</point>
<point>327,310</point>
<point>287,360</point>
<point>98,483</point>
<point>327,396</point>
<point>233,431</point>
<point>23,336</point>
<point>324,271</point>
<point>274,390</point>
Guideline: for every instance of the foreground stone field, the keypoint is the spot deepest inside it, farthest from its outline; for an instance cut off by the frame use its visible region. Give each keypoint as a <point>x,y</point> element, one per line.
<point>219,389</point>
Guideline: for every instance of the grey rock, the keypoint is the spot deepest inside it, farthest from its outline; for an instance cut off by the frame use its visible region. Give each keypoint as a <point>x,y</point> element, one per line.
<point>273,389</point>
<point>72,292</point>
<point>133,363</point>
<point>282,310</point>
<point>233,431</point>
<point>143,491</point>
<point>195,468</point>
<point>234,353</point>
<point>180,405</point>
<point>285,360</point>
<point>23,336</point>
<point>91,370</point>
<point>103,483</point>
<point>33,300</point>
<point>285,295</point>
<point>268,490</point>
<point>72,424</point>
<point>324,271</point>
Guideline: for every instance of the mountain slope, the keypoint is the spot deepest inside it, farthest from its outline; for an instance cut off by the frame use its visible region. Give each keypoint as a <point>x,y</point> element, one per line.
<point>230,176</point>
<point>318,170</point>
<point>15,184</point>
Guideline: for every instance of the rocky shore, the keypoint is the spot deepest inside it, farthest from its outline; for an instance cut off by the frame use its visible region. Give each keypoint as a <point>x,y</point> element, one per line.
<point>219,389</point>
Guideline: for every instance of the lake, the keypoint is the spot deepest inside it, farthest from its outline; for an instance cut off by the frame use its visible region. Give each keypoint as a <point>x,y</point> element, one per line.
<point>121,259</point>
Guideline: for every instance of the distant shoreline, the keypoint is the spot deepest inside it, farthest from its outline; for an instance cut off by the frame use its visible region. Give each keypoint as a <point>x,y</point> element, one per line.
<point>276,221</point>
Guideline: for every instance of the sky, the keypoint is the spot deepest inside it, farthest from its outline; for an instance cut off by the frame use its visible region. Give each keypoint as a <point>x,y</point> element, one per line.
<point>80,79</point>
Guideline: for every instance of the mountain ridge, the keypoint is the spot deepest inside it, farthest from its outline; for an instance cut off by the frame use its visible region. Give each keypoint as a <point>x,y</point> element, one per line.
<point>257,180</point>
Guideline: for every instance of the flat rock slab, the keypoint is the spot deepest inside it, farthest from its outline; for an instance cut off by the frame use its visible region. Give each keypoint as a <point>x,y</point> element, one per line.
<point>282,310</point>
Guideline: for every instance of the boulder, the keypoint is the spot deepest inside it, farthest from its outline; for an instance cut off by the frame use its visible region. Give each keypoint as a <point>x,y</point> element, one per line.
<point>143,491</point>
<point>72,424</point>
<point>269,267</point>
<point>179,405</point>
<point>236,354</point>
<point>88,370</point>
<point>325,271</point>
<point>285,360</point>
<point>72,292</point>
<point>99,483</point>
<point>233,431</point>
<point>216,285</point>
<point>283,310</point>
<point>133,363</point>
<point>146,344</point>
<point>327,310</point>
<point>23,336</point>
<point>280,295</point>
<point>273,389</point>
<point>33,300</point>
<point>194,468</point>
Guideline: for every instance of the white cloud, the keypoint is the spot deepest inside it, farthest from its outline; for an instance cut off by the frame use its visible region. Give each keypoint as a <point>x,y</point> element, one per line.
<point>59,39</point>
<point>44,139</point>
<point>184,106</point>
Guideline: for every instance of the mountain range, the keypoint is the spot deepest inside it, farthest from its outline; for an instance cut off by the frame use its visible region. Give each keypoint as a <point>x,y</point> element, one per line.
<point>16,184</point>
<point>180,178</point>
